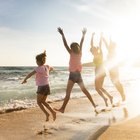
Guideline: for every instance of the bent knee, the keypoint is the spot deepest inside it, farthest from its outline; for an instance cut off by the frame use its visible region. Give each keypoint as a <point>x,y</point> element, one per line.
<point>115,81</point>
<point>40,101</point>
<point>97,88</point>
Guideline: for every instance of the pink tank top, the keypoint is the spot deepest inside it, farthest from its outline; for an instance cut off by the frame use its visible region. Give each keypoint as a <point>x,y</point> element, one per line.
<point>75,62</point>
<point>42,75</point>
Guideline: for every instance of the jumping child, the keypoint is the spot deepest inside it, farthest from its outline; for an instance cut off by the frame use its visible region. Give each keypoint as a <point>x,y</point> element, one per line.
<point>100,73</point>
<point>75,68</point>
<point>42,81</point>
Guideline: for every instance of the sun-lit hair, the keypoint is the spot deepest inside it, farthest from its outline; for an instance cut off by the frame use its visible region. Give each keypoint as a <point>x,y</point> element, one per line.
<point>75,47</point>
<point>41,58</point>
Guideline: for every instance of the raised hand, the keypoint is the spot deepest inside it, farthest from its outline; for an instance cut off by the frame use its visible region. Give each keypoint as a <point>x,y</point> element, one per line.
<point>101,34</point>
<point>60,30</point>
<point>84,31</point>
<point>93,34</point>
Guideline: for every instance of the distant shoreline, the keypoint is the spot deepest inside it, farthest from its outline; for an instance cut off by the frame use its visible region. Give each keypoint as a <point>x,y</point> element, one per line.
<point>89,64</point>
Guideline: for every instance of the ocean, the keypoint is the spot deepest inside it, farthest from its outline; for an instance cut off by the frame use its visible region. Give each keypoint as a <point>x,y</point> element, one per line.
<point>13,94</point>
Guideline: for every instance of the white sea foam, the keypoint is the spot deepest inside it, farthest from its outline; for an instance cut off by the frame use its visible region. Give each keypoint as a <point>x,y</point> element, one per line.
<point>14,95</point>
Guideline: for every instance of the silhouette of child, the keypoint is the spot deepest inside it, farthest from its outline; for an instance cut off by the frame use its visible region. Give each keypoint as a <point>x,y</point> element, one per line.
<point>99,70</point>
<point>114,69</point>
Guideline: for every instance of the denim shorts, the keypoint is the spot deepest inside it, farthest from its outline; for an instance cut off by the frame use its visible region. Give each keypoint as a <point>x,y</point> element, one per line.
<point>44,90</point>
<point>75,77</point>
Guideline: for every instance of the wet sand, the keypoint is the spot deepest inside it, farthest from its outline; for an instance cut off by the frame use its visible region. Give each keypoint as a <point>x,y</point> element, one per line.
<point>78,122</point>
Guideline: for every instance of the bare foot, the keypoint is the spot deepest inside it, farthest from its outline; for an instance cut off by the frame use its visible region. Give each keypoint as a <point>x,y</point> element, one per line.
<point>106,101</point>
<point>96,105</point>
<point>96,112</point>
<point>54,115</point>
<point>111,99</point>
<point>47,117</point>
<point>60,110</point>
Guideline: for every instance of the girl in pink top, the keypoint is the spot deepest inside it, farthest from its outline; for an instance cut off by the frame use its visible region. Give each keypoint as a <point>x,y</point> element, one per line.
<point>75,67</point>
<point>42,81</point>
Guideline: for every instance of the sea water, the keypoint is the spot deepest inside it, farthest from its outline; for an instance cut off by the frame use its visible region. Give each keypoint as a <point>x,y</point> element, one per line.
<point>13,94</point>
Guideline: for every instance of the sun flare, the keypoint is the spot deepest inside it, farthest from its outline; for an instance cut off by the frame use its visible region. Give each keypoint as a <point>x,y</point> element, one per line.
<point>126,36</point>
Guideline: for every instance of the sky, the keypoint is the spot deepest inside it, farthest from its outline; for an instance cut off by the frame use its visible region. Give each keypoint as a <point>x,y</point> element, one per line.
<point>28,27</point>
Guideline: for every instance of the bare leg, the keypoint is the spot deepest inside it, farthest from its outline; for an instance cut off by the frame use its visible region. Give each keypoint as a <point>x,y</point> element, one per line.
<point>70,85</point>
<point>114,75</point>
<point>98,87</point>
<point>49,108</point>
<point>119,87</point>
<point>102,95</point>
<point>87,94</point>
<point>110,97</point>
<point>40,104</point>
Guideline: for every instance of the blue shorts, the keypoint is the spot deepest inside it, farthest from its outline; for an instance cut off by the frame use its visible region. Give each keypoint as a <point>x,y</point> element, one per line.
<point>44,90</point>
<point>75,77</point>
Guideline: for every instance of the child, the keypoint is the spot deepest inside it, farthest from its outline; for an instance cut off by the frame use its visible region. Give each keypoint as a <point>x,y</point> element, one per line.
<point>113,67</point>
<point>99,70</point>
<point>42,81</point>
<point>75,67</point>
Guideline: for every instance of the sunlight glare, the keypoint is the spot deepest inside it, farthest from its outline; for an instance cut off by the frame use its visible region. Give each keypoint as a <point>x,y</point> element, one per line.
<point>126,36</point>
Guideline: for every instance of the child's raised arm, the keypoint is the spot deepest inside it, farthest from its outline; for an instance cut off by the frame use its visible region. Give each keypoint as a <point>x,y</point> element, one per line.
<point>83,36</point>
<point>92,43</point>
<point>106,44</point>
<point>60,30</point>
<point>100,42</point>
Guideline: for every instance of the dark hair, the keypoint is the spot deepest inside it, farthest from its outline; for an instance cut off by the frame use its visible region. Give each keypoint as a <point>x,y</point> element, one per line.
<point>75,47</point>
<point>41,57</point>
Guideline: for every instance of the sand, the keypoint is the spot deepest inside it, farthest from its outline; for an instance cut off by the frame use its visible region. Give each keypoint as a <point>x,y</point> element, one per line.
<point>79,122</point>
<point>127,130</point>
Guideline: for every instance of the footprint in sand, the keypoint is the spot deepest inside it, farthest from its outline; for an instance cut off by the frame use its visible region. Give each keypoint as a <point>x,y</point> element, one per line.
<point>46,131</point>
<point>78,121</point>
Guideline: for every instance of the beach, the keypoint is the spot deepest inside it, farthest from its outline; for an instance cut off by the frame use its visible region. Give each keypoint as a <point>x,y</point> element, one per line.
<point>21,118</point>
<point>127,130</point>
<point>78,122</point>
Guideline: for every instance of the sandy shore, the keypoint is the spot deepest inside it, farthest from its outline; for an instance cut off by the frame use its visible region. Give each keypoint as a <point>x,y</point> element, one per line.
<point>127,130</point>
<point>79,122</point>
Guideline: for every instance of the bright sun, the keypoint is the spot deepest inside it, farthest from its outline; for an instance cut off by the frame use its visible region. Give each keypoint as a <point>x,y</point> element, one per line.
<point>125,31</point>
<point>126,35</point>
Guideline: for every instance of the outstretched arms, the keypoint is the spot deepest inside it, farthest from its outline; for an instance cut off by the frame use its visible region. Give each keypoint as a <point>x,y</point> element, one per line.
<point>96,50</point>
<point>28,76</point>
<point>83,36</point>
<point>60,30</point>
